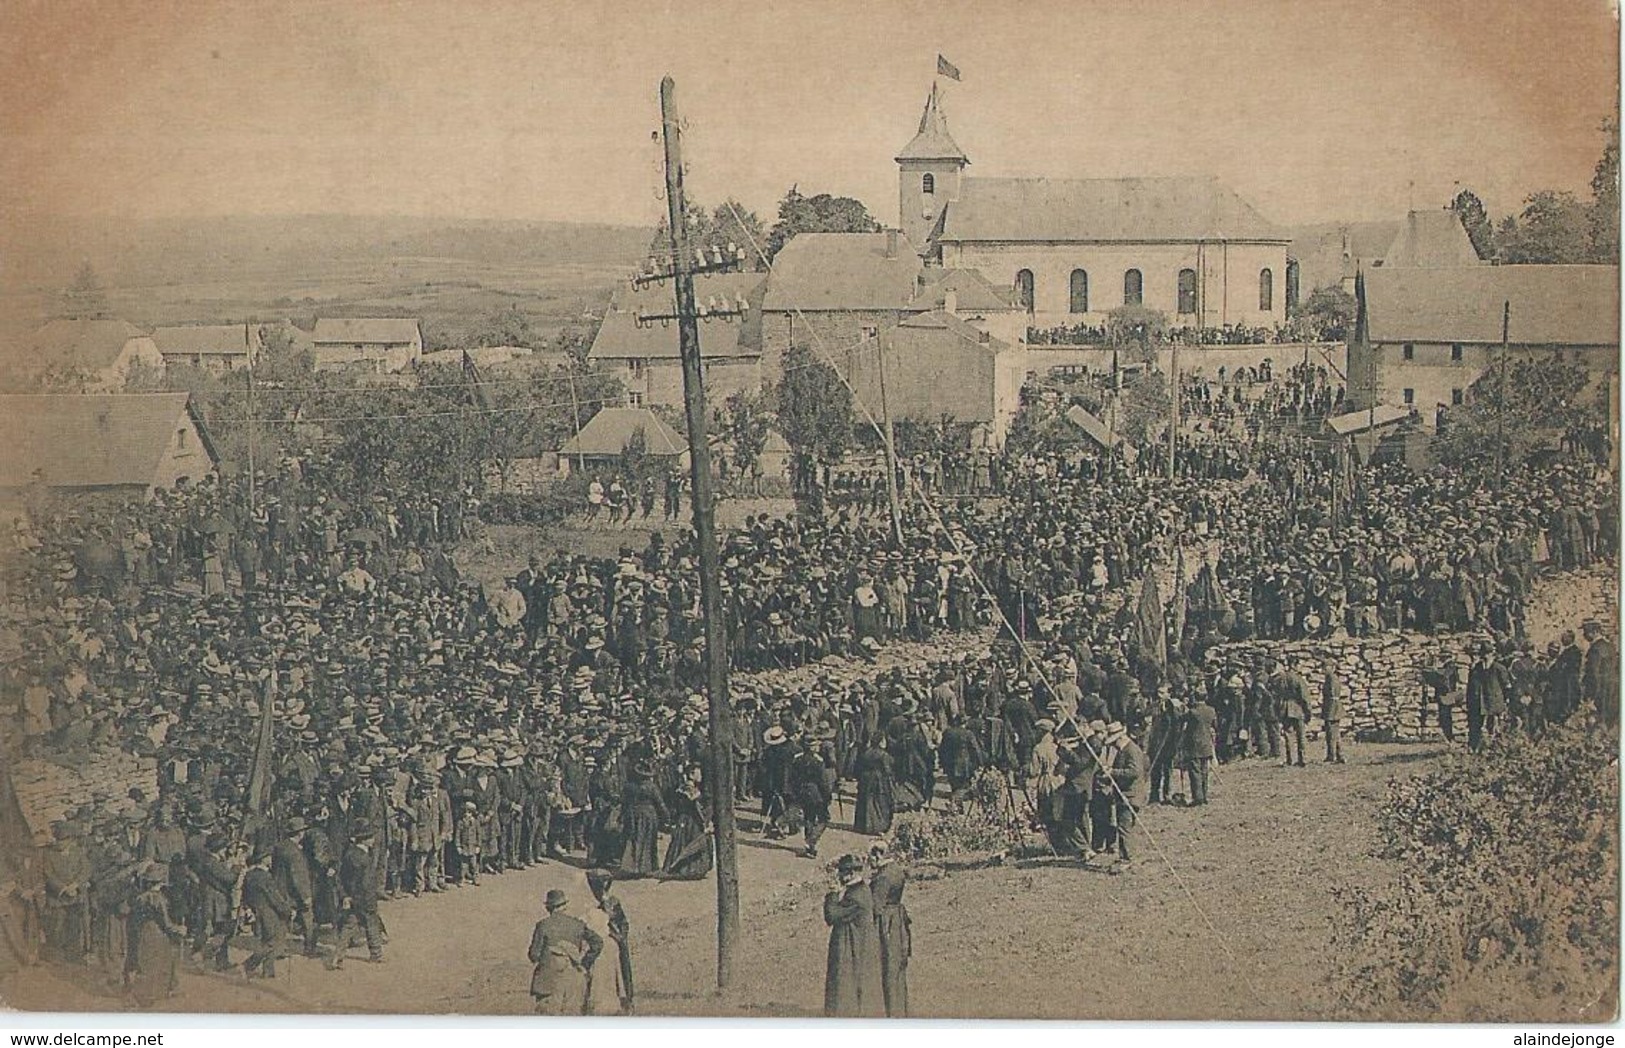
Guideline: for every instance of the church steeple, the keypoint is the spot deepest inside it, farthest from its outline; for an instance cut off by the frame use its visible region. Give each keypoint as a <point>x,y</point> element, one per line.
<point>933,142</point>
<point>928,173</point>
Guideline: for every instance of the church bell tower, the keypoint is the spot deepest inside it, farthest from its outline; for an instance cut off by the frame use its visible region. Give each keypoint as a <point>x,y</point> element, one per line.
<point>928,173</point>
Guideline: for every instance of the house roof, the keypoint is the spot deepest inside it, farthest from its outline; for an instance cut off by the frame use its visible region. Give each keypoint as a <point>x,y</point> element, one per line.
<point>1374,418</point>
<point>366,329</point>
<point>620,337</point>
<point>937,320</point>
<point>1431,238</point>
<point>1102,209</point>
<point>83,345</point>
<point>1551,305</point>
<point>1318,250</point>
<point>840,271</point>
<point>972,291</point>
<point>933,142</point>
<point>611,428</point>
<point>205,339</point>
<point>86,440</point>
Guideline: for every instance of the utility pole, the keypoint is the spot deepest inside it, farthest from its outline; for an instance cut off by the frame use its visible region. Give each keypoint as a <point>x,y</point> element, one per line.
<point>891,449</point>
<point>1173,414</point>
<point>248,348</point>
<point>716,652</point>
<point>575,410</point>
<point>1501,395</point>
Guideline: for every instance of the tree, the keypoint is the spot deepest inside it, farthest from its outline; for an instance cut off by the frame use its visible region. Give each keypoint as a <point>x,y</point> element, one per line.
<point>814,409</point>
<point>817,214</point>
<point>1145,408</point>
<point>506,326</point>
<point>745,422</point>
<point>83,299</point>
<point>1539,404</point>
<point>1330,313</point>
<point>1136,327</point>
<point>282,360</point>
<point>1476,221</point>
<point>635,457</point>
<point>1553,228</point>
<point>1605,198</point>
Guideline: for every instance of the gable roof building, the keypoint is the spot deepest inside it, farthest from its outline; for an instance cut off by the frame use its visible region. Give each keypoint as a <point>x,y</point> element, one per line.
<point>123,443</point>
<point>606,436</point>
<point>1432,240</point>
<point>213,346</point>
<point>1574,306</point>
<point>101,353</point>
<point>375,344</point>
<point>819,272</point>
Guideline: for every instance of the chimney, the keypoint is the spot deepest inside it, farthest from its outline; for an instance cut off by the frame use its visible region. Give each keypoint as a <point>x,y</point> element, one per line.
<point>950,302</point>
<point>891,243</point>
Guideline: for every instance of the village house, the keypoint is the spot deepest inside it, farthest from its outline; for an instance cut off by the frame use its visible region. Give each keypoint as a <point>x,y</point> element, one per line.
<point>96,356</point>
<point>1431,332</point>
<point>643,353</point>
<point>210,347</point>
<point>831,290</point>
<point>602,441</point>
<point>122,445</point>
<point>1331,255</point>
<point>378,345</point>
<point>938,366</point>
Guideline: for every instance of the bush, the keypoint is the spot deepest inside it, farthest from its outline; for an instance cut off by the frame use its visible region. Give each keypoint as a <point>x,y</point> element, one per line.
<point>991,822</point>
<point>543,508</point>
<point>1506,902</point>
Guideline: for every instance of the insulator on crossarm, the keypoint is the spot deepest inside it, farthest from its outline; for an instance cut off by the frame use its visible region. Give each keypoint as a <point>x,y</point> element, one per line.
<point>699,257</point>
<point>741,304</point>
<point>716,255</point>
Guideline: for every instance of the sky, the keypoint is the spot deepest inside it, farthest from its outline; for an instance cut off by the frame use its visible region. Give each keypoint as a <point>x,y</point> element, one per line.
<point>1312,110</point>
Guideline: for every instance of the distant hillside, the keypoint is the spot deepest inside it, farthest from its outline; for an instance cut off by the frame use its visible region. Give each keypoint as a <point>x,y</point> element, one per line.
<point>45,253</point>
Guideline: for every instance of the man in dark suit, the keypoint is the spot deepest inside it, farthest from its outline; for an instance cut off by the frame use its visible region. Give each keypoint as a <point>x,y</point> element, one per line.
<point>290,869</point>
<point>1197,749</point>
<point>1599,679</point>
<point>812,786</point>
<point>272,910</point>
<point>959,752</point>
<point>359,880</point>
<point>1565,679</point>
<point>1291,696</point>
<point>1487,687</point>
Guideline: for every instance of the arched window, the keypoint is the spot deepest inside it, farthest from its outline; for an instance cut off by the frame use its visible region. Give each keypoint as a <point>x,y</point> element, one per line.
<point>1187,291</point>
<point>928,183</point>
<point>1133,288</point>
<point>1024,288</point>
<point>1266,291</point>
<point>1291,286</point>
<point>1080,291</point>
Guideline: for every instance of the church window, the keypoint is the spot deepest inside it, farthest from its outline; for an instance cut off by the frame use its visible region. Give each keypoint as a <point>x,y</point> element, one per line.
<point>1133,288</point>
<point>928,184</point>
<point>1080,291</point>
<point>1266,290</point>
<point>1187,291</point>
<point>1024,288</point>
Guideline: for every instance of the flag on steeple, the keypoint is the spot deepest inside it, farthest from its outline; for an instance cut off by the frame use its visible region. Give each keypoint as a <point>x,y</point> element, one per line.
<point>947,68</point>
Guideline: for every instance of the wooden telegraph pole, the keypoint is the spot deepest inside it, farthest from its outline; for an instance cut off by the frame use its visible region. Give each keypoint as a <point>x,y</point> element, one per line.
<point>1501,395</point>
<point>716,651</point>
<point>891,449</point>
<point>1173,408</point>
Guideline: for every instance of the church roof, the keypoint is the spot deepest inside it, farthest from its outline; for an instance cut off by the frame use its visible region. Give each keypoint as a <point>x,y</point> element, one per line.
<point>933,142</point>
<point>1431,238</point>
<point>1102,209</point>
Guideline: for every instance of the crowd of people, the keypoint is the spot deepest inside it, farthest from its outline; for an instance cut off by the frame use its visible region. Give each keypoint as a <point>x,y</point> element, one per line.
<point>1083,334</point>
<point>429,731</point>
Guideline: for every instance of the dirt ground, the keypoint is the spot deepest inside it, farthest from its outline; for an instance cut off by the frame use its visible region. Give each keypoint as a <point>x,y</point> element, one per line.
<point>1223,914</point>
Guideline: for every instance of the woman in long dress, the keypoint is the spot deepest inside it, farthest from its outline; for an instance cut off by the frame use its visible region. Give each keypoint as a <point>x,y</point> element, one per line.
<point>877,801</point>
<point>642,812</point>
<point>688,855</point>
<point>892,921</point>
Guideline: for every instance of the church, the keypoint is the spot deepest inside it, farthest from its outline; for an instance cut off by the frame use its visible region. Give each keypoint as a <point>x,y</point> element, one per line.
<point>1075,249</point>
